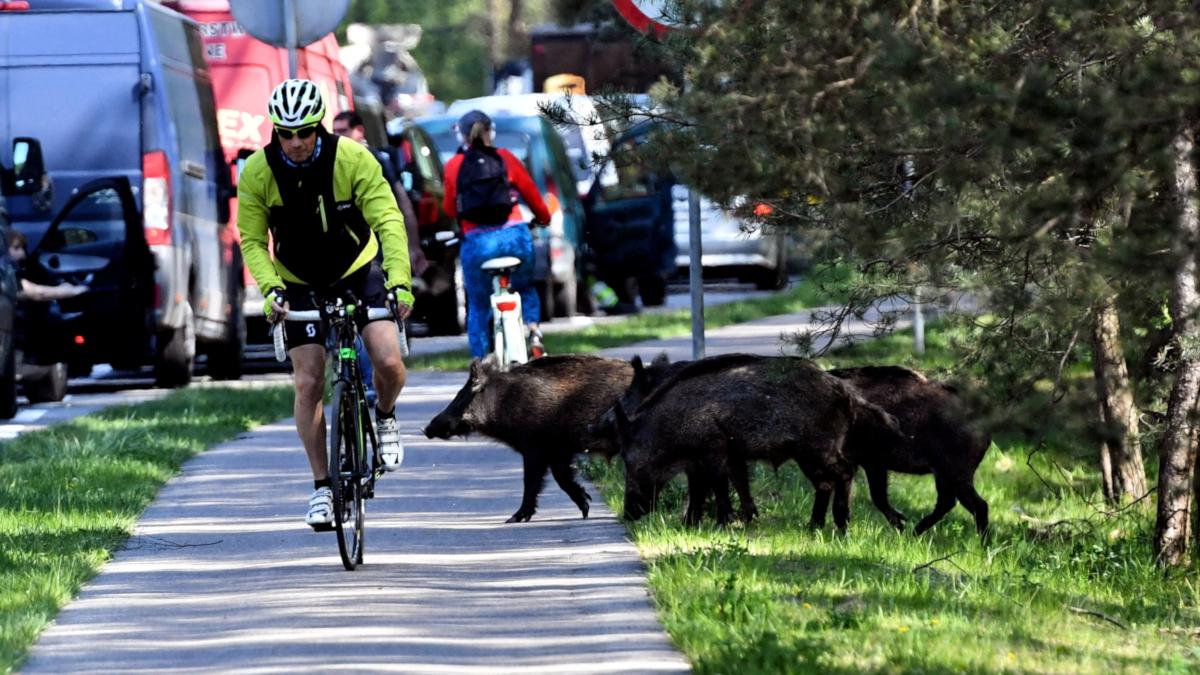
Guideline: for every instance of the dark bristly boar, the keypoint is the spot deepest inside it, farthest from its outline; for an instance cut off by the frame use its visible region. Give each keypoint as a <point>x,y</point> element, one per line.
<point>603,438</point>
<point>720,414</point>
<point>938,439</point>
<point>540,409</point>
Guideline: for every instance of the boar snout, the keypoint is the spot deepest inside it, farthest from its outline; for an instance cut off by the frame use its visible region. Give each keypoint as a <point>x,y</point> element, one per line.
<point>439,427</point>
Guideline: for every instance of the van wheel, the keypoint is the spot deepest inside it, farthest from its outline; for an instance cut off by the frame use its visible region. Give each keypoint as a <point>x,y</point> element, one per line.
<point>8,385</point>
<point>50,387</point>
<point>176,353</point>
<point>225,359</point>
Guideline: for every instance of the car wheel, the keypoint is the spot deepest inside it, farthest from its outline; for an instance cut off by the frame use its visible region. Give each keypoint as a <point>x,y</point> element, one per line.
<point>653,290</point>
<point>225,359</point>
<point>8,385</point>
<point>176,353</point>
<point>51,387</point>
<point>565,299</point>
<point>775,278</point>
<point>545,291</point>
<point>449,313</point>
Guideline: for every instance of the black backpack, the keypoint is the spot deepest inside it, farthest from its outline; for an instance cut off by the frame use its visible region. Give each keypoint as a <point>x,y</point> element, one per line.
<point>484,193</point>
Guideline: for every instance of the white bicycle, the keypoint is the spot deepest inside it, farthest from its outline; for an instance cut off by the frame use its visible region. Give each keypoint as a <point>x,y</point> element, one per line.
<point>508,328</point>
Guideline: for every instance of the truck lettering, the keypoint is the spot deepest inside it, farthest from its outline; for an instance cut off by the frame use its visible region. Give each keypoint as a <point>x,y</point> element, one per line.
<point>240,128</point>
<point>220,29</point>
<point>215,50</point>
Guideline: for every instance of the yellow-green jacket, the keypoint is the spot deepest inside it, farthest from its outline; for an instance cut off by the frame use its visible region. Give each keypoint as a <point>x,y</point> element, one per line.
<point>336,213</point>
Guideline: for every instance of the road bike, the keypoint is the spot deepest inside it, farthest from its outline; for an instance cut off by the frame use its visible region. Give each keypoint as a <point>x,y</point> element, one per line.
<point>508,328</point>
<point>354,461</point>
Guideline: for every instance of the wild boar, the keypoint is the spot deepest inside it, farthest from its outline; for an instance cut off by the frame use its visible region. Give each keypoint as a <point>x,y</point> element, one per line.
<point>938,439</point>
<point>603,438</point>
<point>720,414</point>
<point>541,409</point>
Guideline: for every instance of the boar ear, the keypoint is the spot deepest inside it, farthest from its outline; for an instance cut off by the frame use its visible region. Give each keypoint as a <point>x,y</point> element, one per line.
<point>661,360</point>
<point>623,426</point>
<point>636,362</point>
<point>489,365</point>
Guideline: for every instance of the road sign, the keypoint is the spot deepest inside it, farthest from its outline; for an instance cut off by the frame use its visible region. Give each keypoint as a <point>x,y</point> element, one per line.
<point>289,23</point>
<point>265,19</point>
<point>647,16</point>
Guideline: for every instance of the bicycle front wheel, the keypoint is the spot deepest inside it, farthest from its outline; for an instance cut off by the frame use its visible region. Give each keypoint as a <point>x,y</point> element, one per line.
<point>345,474</point>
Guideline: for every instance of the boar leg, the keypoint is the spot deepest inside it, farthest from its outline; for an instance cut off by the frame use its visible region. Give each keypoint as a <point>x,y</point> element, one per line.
<point>945,502</point>
<point>820,506</point>
<point>698,488</point>
<point>877,480</point>
<point>535,474</point>
<point>739,473</point>
<point>564,475</point>
<point>970,499</point>
<point>841,503</point>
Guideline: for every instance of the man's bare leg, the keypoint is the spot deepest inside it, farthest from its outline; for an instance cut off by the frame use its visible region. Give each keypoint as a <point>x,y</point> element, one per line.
<point>308,364</point>
<point>383,347</point>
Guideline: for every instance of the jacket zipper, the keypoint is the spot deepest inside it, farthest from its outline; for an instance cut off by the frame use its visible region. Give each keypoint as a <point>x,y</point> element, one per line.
<point>321,209</point>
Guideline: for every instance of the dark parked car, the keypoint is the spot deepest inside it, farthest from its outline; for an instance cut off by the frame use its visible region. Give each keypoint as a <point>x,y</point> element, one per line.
<point>630,227</point>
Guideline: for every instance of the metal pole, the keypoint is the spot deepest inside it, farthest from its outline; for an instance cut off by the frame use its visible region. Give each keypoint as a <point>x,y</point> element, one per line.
<point>696,274</point>
<point>289,35</point>
<point>918,324</point>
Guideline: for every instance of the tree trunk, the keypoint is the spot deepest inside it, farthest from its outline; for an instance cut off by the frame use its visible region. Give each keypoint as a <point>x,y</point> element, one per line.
<point>1119,415</point>
<point>1106,472</point>
<point>518,40</point>
<point>1177,453</point>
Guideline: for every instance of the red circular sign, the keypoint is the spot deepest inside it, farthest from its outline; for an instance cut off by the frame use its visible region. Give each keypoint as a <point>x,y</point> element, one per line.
<point>646,15</point>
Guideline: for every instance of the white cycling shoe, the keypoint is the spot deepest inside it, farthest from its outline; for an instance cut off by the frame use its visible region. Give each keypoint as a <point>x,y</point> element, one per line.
<point>391,452</point>
<point>320,508</point>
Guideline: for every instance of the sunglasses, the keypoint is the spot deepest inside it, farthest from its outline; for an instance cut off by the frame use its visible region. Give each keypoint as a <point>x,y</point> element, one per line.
<point>286,134</point>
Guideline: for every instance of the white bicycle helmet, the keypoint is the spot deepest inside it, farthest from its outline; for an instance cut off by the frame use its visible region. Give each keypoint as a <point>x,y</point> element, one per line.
<point>295,104</point>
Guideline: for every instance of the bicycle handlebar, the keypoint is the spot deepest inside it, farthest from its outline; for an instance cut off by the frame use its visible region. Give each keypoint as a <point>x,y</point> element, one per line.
<point>373,314</point>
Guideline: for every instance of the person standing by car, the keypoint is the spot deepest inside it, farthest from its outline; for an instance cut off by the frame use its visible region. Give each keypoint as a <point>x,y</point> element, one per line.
<point>30,290</point>
<point>329,209</point>
<point>350,124</point>
<point>482,183</point>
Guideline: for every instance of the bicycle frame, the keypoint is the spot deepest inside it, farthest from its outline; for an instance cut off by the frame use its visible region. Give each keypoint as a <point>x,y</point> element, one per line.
<point>508,328</point>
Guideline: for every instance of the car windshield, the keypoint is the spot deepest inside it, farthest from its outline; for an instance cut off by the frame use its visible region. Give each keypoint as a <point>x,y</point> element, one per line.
<point>516,143</point>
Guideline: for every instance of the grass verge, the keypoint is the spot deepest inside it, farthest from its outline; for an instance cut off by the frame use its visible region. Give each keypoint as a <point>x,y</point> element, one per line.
<point>1060,588</point>
<point>70,494</point>
<point>812,292</point>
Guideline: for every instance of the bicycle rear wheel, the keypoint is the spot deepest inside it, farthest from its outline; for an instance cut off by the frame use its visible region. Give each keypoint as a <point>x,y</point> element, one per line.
<point>345,475</point>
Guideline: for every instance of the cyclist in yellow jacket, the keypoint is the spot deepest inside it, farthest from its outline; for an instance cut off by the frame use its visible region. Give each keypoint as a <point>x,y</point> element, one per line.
<point>328,209</point>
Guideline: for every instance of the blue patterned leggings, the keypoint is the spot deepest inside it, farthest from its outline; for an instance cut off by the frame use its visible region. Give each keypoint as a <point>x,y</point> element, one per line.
<point>479,246</point>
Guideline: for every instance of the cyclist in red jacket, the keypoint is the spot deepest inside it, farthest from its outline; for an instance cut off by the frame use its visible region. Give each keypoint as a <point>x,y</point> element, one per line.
<point>483,196</point>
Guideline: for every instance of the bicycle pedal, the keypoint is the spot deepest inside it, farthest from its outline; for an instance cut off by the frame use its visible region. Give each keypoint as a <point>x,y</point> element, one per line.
<point>327,527</point>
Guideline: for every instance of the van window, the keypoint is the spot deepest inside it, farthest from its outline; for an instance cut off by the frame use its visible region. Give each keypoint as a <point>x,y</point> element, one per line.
<point>177,41</point>
<point>192,108</point>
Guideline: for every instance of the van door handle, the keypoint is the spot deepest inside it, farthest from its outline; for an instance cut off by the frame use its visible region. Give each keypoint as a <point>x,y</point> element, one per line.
<point>193,169</point>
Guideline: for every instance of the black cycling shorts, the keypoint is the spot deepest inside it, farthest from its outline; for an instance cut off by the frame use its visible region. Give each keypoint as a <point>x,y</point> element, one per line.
<point>366,285</point>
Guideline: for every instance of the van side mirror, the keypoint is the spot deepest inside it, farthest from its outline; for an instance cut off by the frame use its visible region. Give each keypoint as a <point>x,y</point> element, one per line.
<point>28,174</point>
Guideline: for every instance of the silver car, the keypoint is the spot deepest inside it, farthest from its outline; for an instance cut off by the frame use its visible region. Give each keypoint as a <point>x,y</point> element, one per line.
<point>727,249</point>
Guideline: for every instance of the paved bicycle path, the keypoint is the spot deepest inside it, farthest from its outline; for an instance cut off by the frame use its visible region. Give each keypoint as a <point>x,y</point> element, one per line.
<point>222,575</point>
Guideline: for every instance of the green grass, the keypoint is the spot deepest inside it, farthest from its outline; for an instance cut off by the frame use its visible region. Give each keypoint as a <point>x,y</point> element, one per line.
<point>813,292</point>
<point>774,597</point>
<point>70,494</point>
